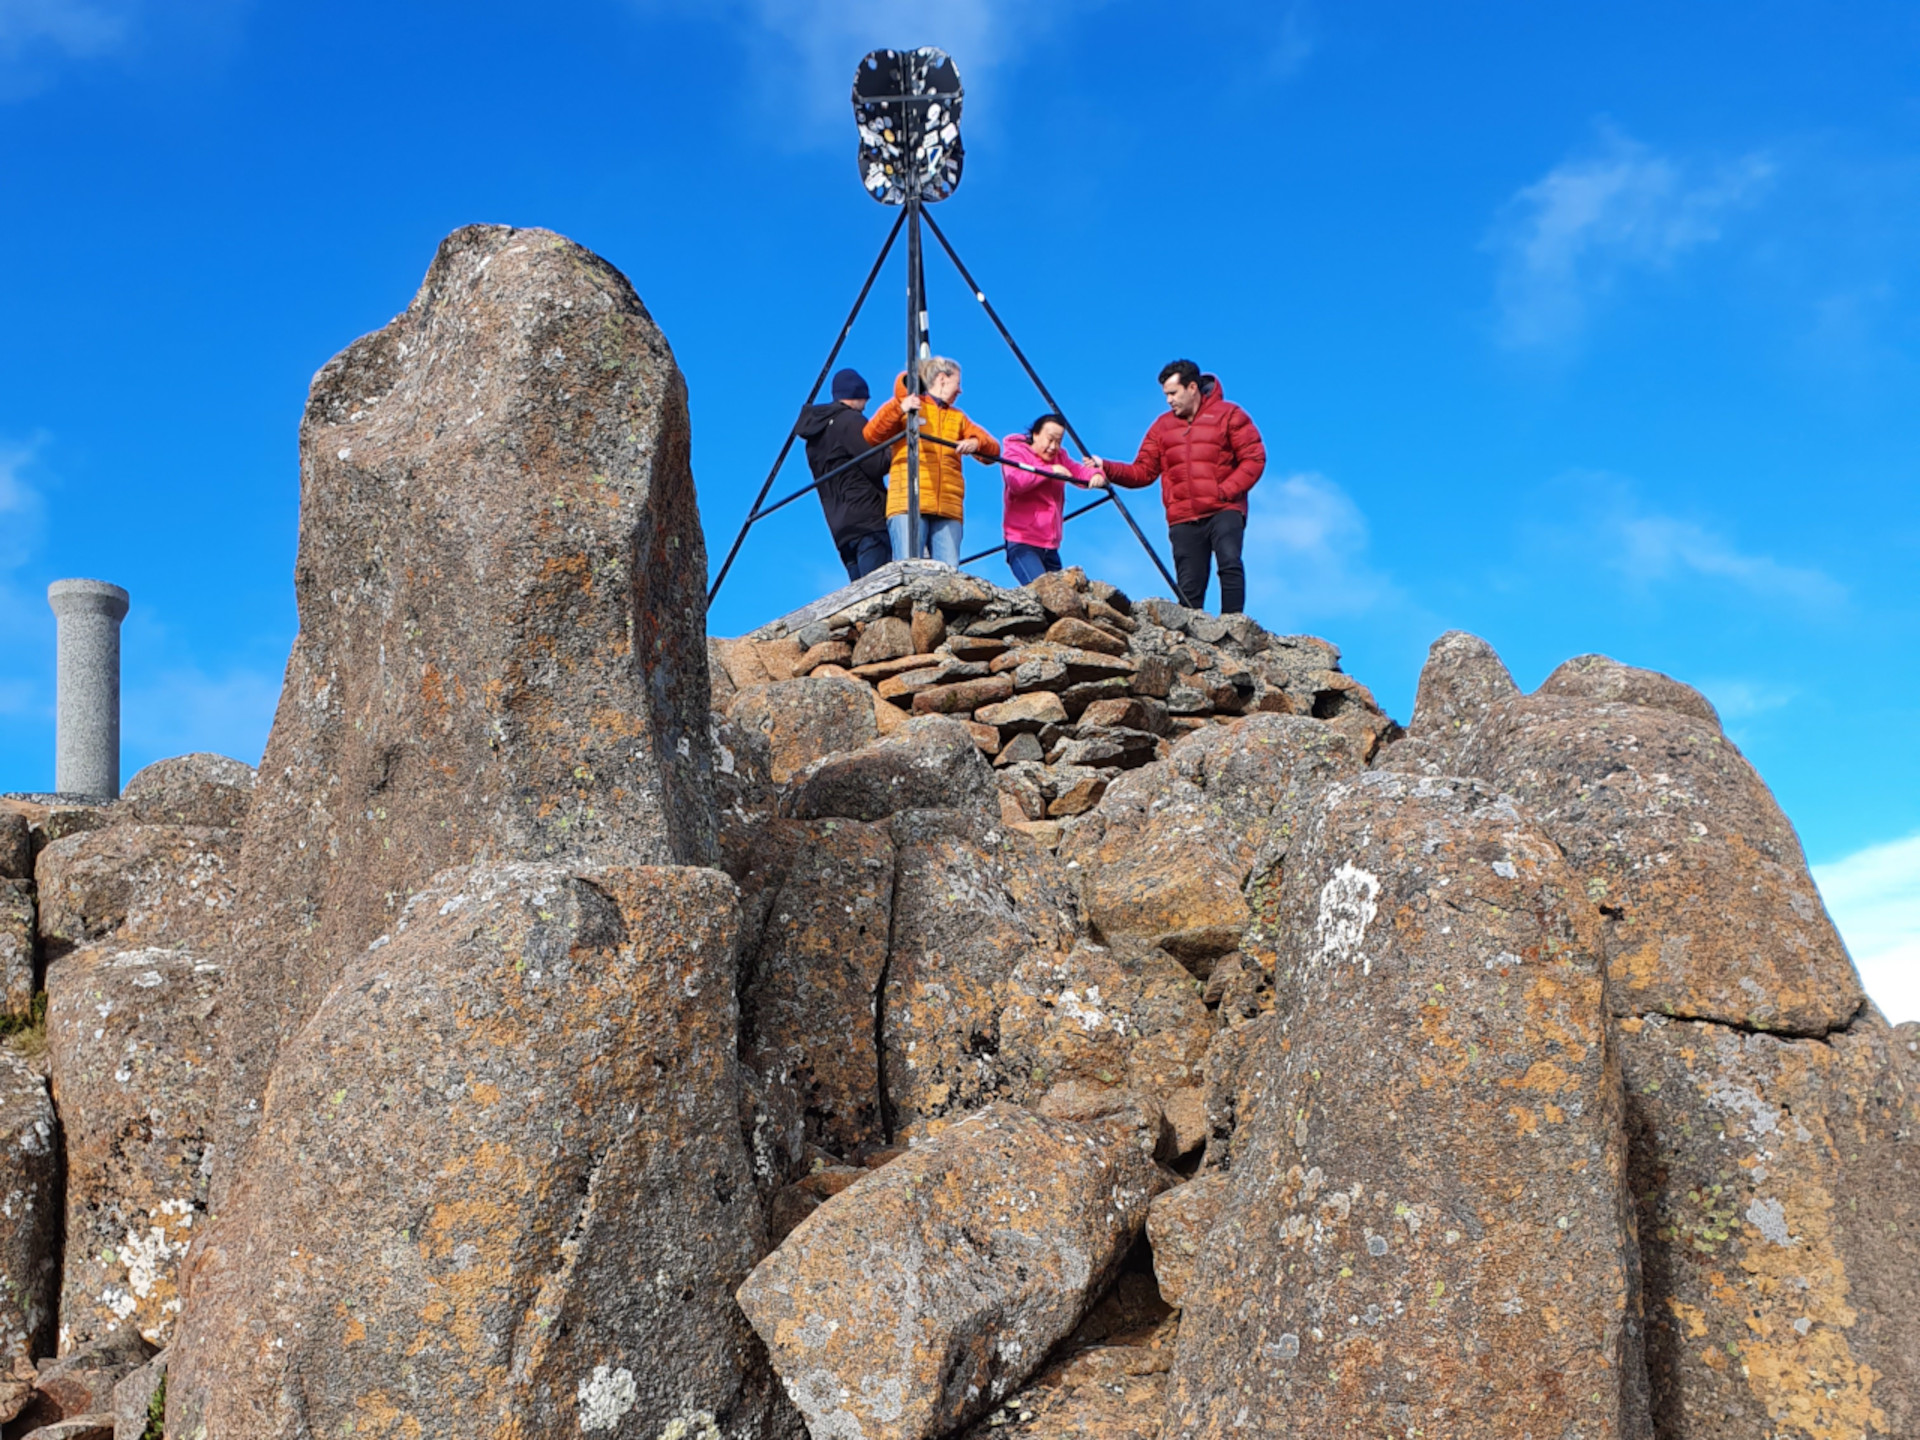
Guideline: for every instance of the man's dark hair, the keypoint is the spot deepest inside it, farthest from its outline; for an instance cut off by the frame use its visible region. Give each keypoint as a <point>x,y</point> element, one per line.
<point>1188,372</point>
<point>1050,418</point>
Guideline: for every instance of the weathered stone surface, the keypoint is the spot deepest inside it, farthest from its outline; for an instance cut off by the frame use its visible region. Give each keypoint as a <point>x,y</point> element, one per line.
<point>788,725</point>
<point>1461,682</point>
<point>501,588</point>
<point>963,696</point>
<point>1061,592</point>
<point>1166,856</point>
<point>164,885</point>
<point>827,652</point>
<point>1126,1016</point>
<point>923,1295</point>
<point>197,789</point>
<point>134,1395</point>
<point>30,1179</point>
<point>78,1387</point>
<point>1778,1184</point>
<point>1711,912</point>
<point>18,943</point>
<point>1079,635</point>
<point>1178,1224</point>
<point>929,628</point>
<point>810,978</point>
<point>81,1427</point>
<point>929,762</point>
<point>16,846</point>
<point>1104,1392</point>
<point>1131,713</point>
<point>971,902</point>
<point>1074,790</point>
<point>1596,677</point>
<point>1025,713</point>
<point>130,1049</point>
<point>553,1055</point>
<point>1235,1074</point>
<point>885,638</point>
<point>1428,1227</point>
<point>1101,746</point>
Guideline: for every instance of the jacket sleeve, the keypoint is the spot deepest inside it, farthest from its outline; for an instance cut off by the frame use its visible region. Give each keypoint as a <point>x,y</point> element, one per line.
<point>1145,468</point>
<point>1249,454</point>
<point>888,421</point>
<point>1019,482</point>
<point>874,468</point>
<point>989,450</point>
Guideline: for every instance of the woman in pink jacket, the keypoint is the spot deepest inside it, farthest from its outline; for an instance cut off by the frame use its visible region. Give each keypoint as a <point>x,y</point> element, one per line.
<point>1035,504</point>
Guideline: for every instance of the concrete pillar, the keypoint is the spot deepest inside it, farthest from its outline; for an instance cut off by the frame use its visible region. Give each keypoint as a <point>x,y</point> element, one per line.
<point>86,746</point>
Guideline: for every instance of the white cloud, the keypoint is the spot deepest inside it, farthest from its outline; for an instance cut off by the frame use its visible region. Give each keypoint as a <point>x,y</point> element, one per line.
<point>1305,552</point>
<point>1660,547</point>
<point>1601,516</point>
<point>1874,897</point>
<point>38,36</point>
<point>20,507</point>
<point>1567,239</point>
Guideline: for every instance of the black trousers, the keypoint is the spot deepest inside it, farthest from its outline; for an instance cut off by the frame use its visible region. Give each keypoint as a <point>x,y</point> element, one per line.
<point>1195,544</point>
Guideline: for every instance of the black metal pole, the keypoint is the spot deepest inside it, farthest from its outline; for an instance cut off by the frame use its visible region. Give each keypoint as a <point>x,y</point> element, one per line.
<point>1070,515</point>
<point>915,303</point>
<point>812,395</point>
<point>1047,395</point>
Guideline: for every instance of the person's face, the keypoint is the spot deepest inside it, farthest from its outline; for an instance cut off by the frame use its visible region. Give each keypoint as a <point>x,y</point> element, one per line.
<point>1183,400</point>
<point>1046,443</point>
<point>944,387</point>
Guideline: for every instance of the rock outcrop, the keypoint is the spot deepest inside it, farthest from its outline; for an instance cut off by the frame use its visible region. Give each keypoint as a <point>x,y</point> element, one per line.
<point>922,1296</point>
<point>1099,1019</point>
<point>1428,1228</point>
<point>552,1054</point>
<point>501,655</point>
<point>131,1053</point>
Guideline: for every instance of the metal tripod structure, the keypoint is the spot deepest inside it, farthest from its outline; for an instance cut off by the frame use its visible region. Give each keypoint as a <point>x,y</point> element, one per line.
<point>908,107</point>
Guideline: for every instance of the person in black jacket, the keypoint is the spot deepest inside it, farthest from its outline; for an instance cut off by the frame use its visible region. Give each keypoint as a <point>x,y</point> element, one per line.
<point>855,500</point>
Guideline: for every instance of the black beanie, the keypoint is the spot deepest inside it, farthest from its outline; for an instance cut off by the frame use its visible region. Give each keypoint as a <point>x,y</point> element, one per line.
<point>847,385</point>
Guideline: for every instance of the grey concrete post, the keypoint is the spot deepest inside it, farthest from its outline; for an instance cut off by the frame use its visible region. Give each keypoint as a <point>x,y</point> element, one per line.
<point>86,746</point>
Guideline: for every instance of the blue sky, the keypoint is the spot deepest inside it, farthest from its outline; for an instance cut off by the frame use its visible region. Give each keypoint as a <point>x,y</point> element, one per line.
<point>1585,331</point>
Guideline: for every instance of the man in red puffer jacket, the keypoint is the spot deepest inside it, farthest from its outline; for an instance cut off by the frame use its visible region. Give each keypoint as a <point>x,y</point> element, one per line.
<point>1207,456</point>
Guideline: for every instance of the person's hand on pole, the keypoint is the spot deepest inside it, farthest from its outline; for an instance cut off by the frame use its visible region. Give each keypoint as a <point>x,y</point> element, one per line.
<point>968,446</point>
<point>1099,480</point>
<point>910,403</point>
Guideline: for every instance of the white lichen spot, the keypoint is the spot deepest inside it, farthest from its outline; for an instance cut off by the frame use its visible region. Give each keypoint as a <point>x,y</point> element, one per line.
<point>1769,1217</point>
<point>1347,907</point>
<point>605,1396</point>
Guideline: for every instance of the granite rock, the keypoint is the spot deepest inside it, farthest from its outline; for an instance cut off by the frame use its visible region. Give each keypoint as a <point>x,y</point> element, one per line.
<point>501,587</point>
<point>1596,677</point>
<point>787,725</point>
<point>929,762</point>
<point>1778,1186</point>
<point>1428,1226</point>
<point>197,789</point>
<point>554,1054</point>
<point>924,1294</point>
<point>143,885</point>
<point>1461,682</point>
<point>1711,913</point>
<point>19,948</point>
<point>130,1050</point>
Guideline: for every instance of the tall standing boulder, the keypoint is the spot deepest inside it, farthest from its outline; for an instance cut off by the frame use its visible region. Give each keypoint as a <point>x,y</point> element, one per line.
<point>1711,912</point>
<point>1426,1228</point>
<point>499,1186</point>
<point>1461,682</point>
<point>501,652</point>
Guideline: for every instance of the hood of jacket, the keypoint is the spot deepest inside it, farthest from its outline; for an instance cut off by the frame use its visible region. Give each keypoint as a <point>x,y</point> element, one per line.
<point>815,419</point>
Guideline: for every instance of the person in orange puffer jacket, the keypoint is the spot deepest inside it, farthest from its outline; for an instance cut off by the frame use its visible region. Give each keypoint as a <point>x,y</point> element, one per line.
<point>943,488</point>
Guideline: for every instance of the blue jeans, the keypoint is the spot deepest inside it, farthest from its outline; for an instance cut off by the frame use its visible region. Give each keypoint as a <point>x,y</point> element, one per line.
<point>866,553</point>
<point>1030,562</point>
<point>939,539</point>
